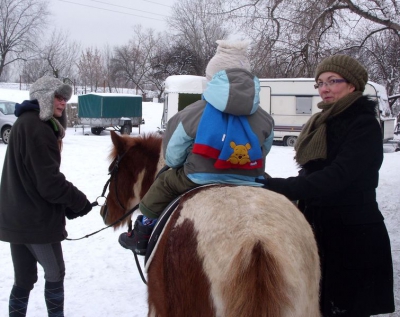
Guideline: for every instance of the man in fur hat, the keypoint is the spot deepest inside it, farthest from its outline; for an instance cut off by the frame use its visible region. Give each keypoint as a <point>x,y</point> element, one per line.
<point>223,138</point>
<point>36,197</point>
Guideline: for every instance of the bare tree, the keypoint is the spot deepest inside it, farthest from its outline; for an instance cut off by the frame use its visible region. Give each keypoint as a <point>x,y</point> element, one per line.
<point>108,74</point>
<point>55,57</point>
<point>290,37</point>
<point>91,68</point>
<point>381,54</point>
<point>160,66</point>
<point>280,36</point>
<point>198,26</point>
<point>132,62</point>
<point>170,57</point>
<point>382,12</point>
<point>173,57</point>
<point>21,23</point>
<point>33,69</point>
<point>60,54</point>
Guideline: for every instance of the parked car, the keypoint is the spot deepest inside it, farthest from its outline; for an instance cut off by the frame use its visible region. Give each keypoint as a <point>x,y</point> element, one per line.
<point>7,119</point>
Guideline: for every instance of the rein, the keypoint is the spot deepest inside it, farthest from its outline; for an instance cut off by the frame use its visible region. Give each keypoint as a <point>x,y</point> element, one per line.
<point>114,223</point>
<point>111,173</point>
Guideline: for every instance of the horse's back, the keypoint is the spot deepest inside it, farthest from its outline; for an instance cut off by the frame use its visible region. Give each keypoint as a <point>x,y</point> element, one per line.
<point>235,251</point>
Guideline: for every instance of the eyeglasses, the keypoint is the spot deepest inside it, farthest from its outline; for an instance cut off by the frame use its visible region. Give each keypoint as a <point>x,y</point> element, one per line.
<point>60,98</point>
<point>329,83</point>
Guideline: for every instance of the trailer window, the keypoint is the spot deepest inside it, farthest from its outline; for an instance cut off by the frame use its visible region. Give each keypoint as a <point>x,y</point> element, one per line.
<point>187,99</point>
<point>303,105</point>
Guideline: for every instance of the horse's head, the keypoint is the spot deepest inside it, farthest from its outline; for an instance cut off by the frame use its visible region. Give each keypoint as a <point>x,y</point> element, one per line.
<point>135,162</point>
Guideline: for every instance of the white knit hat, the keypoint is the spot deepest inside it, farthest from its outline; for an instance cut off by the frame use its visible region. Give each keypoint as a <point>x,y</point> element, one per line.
<point>230,54</point>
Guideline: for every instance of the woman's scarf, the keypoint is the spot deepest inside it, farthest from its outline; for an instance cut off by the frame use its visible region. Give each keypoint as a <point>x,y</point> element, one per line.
<point>311,143</point>
<point>58,128</point>
<point>60,131</point>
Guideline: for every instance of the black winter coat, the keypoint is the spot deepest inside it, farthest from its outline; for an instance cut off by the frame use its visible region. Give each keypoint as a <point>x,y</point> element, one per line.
<point>34,193</point>
<point>337,196</point>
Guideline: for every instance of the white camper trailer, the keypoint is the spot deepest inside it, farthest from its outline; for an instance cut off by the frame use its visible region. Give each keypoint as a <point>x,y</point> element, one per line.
<point>180,91</point>
<point>290,101</point>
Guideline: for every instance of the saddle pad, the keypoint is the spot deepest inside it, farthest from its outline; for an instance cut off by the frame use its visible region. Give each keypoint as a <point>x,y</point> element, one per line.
<point>160,225</point>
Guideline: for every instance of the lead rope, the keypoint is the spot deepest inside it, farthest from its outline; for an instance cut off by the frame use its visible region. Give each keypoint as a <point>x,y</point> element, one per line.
<point>139,268</point>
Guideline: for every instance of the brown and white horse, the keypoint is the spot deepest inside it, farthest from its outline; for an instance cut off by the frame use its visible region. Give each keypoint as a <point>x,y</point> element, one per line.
<point>228,251</point>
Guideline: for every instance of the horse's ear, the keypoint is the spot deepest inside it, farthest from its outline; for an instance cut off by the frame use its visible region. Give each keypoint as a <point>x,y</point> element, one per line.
<point>114,137</point>
<point>117,141</point>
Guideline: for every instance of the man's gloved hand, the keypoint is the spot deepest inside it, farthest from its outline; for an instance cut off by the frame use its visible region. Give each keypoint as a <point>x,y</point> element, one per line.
<point>72,215</point>
<point>263,181</point>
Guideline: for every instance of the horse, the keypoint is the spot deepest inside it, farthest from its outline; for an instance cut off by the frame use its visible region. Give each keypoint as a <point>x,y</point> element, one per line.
<point>226,251</point>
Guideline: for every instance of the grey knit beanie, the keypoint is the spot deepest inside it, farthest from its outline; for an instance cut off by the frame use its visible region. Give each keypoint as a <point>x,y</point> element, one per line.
<point>230,54</point>
<point>346,66</point>
<point>44,90</point>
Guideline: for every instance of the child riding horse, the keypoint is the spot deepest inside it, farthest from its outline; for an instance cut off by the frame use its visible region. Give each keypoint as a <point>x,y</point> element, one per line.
<point>227,251</point>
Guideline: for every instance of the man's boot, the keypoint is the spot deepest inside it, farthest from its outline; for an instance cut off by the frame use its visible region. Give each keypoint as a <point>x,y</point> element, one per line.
<point>18,303</point>
<point>137,239</point>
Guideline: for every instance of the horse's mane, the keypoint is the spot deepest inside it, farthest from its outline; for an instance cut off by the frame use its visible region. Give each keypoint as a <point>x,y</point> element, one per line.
<point>150,142</point>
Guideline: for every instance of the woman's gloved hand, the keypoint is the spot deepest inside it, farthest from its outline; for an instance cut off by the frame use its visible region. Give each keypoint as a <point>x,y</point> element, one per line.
<point>72,214</point>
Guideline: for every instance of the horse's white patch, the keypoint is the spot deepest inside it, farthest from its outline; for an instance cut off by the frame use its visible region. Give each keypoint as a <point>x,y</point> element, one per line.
<point>243,216</point>
<point>137,187</point>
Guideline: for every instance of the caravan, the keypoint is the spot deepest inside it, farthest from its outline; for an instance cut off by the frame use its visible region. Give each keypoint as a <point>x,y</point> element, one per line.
<point>290,101</point>
<point>180,91</point>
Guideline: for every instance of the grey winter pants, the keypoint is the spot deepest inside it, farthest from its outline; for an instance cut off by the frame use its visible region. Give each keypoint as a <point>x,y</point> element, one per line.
<point>25,258</point>
<point>168,186</point>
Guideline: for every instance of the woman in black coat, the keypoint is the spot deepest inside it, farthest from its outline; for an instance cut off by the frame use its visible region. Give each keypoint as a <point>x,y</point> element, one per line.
<point>340,153</point>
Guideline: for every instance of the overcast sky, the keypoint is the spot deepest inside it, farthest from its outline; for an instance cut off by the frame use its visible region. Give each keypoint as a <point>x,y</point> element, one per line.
<point>96,23</point>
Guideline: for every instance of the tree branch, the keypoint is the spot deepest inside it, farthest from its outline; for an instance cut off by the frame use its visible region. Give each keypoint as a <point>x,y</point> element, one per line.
<point>366,15</point>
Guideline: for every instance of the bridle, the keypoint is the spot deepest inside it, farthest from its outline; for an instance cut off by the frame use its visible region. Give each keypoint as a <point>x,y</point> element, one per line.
<point>114,173</point>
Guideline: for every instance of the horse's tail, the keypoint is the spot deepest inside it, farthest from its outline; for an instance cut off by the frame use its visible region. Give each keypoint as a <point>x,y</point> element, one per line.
<point>256,286</point>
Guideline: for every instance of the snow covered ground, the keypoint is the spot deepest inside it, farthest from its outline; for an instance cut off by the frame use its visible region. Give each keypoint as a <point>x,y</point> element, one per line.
<point>101,276</point>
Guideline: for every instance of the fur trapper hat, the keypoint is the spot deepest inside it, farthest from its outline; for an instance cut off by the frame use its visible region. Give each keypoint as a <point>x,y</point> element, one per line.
<point>44,90</point>
<point>346,66</point>
<point>230,54</point>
